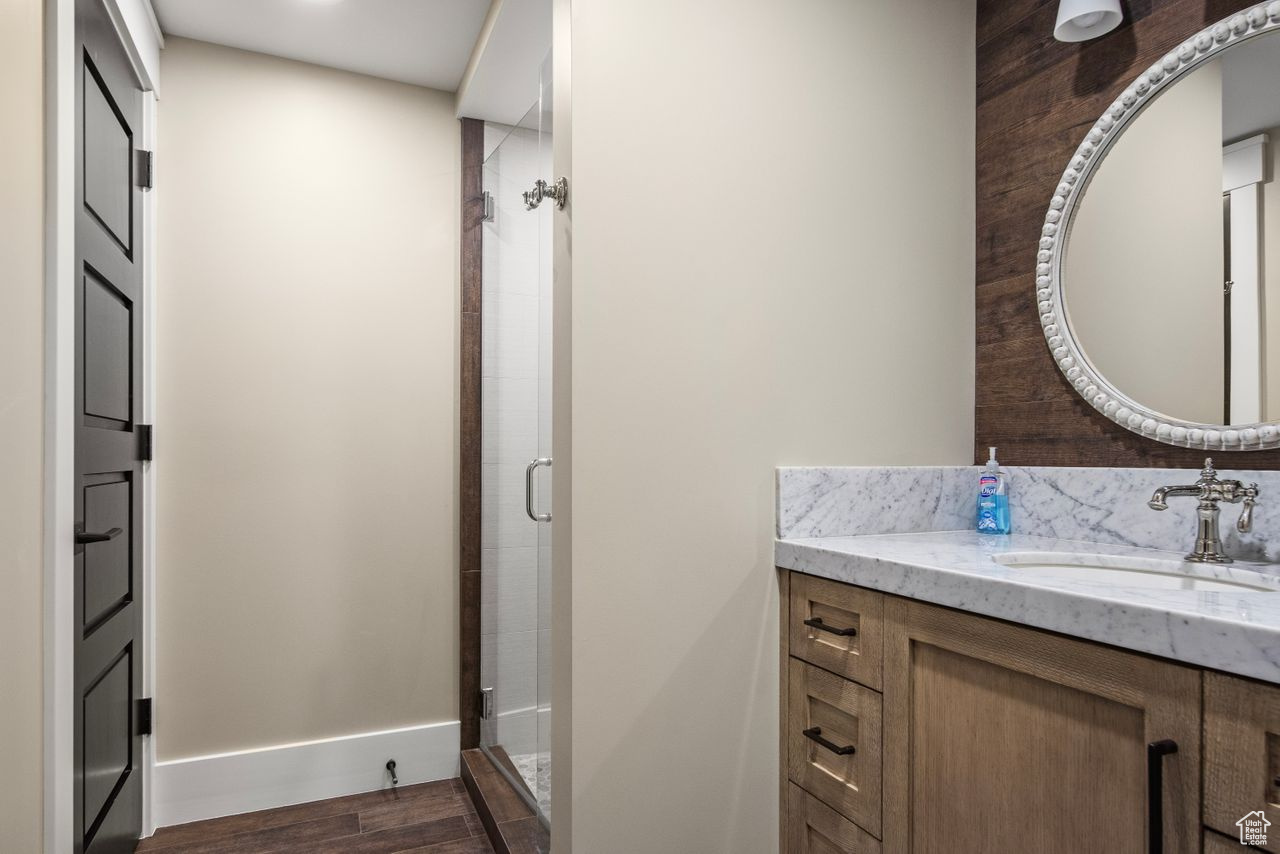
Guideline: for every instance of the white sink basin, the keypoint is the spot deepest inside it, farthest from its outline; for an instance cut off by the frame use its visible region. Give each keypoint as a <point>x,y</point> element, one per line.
<point>1128,571</point>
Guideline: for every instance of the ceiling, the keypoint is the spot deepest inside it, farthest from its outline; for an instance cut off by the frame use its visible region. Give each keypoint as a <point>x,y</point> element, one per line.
<point>424,42</point>
<point>509,66</point>
<point>1250,99</point>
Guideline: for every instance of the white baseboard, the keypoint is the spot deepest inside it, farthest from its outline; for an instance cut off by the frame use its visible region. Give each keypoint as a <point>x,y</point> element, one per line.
<point>203,787</point>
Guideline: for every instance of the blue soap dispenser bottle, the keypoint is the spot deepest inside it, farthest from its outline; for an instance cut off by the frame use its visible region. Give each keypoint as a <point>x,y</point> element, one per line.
<point>993,499</point>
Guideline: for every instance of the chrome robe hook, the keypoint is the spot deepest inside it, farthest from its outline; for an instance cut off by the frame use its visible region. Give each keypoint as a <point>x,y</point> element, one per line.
<point>557,192</point>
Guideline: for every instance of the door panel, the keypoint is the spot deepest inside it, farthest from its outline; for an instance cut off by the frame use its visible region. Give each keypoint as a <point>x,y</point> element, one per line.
<point>986,721</point>
<point>107,346</point>
<point>108,496</point>
<point>107,577</point>
<point>107,163</point>
<point>107,737</point>
<point>1059,727</point>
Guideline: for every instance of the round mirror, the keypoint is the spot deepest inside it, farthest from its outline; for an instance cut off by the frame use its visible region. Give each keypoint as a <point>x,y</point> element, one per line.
<point>1158,274</point>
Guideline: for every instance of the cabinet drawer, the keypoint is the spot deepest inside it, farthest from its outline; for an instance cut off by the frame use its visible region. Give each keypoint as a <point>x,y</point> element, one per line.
<point>839,758</point>
<point>815,828</point>
<point>1241,754</point>
<point>845,628</point>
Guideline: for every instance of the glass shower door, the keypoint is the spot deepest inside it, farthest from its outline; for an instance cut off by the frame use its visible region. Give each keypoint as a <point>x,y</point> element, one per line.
<point>544,214</point>
<point>515,450</point>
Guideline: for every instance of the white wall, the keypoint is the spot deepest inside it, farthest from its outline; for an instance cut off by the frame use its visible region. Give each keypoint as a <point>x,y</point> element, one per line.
<point>1143,273</point>
<point>306,428</point>
<point>21,422</point>
<point>1271,278</point>
<point>772,263</point>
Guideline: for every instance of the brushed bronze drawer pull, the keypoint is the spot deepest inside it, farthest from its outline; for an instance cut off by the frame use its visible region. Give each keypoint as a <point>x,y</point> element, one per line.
<point>816,622</point>
<point>815,734</point>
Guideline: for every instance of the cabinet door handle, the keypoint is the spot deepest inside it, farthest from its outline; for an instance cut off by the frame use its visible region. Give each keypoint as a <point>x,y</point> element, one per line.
<point>85,537</point>
<point>815,734</point>
<point>816,622</point>
<point>528,490</point>
<point>1156,752</point>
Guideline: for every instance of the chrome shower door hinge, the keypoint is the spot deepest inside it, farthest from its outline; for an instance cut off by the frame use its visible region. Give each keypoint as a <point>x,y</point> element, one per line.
<point>487,201</point>
<point>486,703</point>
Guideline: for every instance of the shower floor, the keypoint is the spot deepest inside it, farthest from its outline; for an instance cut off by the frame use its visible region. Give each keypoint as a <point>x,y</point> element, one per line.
<point>535,768</point>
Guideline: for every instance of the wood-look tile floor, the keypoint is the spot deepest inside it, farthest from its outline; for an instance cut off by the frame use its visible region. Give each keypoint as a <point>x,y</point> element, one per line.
<point>431,818</point>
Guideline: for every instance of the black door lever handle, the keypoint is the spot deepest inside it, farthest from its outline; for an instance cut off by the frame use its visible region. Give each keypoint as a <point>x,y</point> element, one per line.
<point>85,537</point>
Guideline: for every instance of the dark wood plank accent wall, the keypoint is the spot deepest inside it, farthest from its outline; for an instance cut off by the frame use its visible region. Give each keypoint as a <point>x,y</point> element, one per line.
<point>472,218</point>
<point>1036,99</point>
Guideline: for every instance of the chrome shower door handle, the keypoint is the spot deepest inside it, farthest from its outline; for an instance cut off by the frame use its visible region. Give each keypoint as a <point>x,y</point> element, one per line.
<point>528,489</point>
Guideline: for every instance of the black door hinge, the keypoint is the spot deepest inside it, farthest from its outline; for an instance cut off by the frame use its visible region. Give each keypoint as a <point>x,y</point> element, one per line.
<point>144,716</point>
<point>146,442</point>
<point>146,169</point>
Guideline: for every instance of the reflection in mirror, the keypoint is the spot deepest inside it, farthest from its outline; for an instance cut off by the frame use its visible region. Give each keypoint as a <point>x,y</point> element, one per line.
<point>1171,274</point>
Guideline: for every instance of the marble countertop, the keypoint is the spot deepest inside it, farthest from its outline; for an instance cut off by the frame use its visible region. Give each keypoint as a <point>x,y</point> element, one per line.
<point>1237,632</point>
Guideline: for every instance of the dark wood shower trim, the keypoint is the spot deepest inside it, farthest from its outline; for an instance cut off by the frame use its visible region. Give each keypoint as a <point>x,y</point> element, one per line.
<point>510,824</point>
<point>472,219</point>
<point>1037,98</point>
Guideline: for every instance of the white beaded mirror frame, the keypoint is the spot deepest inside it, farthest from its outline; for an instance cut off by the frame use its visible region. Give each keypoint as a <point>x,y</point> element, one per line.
<point>1087,381</point>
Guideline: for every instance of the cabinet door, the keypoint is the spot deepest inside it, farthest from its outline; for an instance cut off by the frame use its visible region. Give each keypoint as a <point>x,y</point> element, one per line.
<point>999,738</point>
<point>1241,754</point>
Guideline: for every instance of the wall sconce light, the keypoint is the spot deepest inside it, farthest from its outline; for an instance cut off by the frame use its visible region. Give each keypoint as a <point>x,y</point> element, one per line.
<point>1081,20</point>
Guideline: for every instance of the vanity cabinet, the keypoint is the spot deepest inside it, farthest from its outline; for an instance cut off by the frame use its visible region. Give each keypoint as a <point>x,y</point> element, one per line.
<point>991,737</point>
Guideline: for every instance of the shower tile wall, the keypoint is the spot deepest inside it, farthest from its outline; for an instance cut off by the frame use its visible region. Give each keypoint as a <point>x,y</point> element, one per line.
<point>509,401</point>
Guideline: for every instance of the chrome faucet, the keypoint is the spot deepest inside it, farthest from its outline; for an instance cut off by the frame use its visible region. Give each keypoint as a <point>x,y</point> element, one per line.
<point>1210,491</point>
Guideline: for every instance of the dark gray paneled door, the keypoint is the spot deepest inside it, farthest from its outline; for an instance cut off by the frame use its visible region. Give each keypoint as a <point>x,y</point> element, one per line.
<point>108,489</point>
